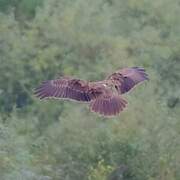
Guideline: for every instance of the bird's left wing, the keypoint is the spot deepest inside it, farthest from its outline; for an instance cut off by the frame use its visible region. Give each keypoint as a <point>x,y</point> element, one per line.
<point>66,87</point>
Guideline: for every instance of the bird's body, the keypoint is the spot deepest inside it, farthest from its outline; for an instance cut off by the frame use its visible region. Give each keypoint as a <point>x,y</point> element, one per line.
<point>104,96</point>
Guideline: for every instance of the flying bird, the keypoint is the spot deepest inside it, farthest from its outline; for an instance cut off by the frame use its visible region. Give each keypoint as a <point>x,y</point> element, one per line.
<point>104,97</point>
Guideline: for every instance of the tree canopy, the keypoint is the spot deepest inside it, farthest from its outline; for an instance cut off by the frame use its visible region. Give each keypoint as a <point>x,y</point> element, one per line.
<point>42,39</point>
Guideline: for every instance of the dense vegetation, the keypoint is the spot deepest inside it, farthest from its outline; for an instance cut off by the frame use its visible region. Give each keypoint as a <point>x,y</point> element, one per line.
<point>52,140</point>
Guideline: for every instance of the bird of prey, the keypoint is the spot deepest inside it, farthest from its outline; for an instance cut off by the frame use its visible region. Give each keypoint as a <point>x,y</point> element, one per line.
<point>104,97</point>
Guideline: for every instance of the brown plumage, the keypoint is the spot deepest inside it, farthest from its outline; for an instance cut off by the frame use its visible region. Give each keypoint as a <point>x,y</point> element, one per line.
<point>104,97</point>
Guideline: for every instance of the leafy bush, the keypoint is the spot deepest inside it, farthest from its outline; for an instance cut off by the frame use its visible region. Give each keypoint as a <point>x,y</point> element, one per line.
<point>23,9</point>
<point>100,172</point>
<point>89,39</point>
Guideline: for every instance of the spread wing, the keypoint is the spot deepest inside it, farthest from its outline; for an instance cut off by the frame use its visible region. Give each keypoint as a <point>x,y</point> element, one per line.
<point>125,79</point>
<point>69,88</point>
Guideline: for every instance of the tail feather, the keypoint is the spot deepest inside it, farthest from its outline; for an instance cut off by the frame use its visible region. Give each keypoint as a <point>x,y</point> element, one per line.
<point>108,106</point>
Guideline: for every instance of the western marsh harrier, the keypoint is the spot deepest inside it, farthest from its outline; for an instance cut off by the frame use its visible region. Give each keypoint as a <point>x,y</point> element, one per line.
<point>103,97</point>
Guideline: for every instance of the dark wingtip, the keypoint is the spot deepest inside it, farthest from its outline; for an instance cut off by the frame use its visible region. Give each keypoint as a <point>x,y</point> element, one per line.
<point>142,71</point>
<point>40,91</point>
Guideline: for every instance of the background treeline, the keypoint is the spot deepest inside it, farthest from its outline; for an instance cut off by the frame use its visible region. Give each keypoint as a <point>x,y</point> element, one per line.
<point>52,140</point>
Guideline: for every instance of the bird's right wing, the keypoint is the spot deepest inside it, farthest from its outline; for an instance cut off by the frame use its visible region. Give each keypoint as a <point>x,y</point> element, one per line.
<point>69,88</point>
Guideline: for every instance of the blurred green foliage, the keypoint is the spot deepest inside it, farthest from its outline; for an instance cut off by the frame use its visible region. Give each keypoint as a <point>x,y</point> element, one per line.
<point>23,9</point>
<point>52,140</point>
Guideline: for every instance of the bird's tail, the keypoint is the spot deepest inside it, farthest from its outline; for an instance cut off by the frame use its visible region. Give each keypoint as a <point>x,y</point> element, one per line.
<point>108,106</point>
